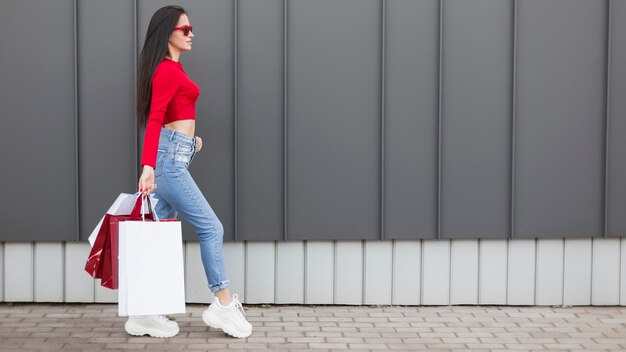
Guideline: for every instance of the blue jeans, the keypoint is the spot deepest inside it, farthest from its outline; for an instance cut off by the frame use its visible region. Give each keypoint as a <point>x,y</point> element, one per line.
<point>178,193</point>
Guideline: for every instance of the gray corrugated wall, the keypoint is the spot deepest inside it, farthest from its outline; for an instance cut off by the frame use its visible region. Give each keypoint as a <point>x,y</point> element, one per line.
<point>616,168</point>
<point>560,118</point>
<point>354,119</point>
<point>38,148</point>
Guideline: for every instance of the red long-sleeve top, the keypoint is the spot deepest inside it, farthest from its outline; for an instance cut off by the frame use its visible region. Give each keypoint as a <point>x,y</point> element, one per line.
<point>174,98</point>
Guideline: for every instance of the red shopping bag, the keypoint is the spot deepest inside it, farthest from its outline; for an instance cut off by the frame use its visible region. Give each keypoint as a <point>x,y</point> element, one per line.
<point>102,262</point>
<point>100,247</point>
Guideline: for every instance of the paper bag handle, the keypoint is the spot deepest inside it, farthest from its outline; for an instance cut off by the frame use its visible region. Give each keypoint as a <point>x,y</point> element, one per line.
<point>137,210</point>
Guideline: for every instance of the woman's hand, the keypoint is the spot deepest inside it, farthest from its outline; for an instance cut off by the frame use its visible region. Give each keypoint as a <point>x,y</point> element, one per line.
<point>146,181</point>
<point>198,143</point>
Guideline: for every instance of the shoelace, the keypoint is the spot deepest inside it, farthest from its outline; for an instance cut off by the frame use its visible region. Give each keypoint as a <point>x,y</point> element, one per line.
<point>238,304</point>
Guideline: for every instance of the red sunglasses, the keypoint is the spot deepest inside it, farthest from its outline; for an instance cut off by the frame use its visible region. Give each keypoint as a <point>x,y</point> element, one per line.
<point>186,29</point>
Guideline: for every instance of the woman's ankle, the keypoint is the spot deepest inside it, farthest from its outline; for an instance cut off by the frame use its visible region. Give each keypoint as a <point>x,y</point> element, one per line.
<point>223,296</point>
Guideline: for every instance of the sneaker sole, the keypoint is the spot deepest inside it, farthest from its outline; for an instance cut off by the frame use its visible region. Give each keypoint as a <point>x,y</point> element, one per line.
<point>153,333</point>
<point>228,329</point>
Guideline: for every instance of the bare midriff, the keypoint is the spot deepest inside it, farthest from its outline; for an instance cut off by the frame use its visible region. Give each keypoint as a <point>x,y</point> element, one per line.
<point>187,127</point>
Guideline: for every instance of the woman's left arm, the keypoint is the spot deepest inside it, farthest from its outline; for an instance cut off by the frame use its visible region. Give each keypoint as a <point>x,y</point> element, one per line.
<point>198,143</point>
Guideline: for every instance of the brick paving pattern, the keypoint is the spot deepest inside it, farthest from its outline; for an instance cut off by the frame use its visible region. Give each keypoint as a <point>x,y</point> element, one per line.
<point>96,327</point>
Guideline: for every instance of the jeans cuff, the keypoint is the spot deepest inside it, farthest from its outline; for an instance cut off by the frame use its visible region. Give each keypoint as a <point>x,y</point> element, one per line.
<point>221,285</point>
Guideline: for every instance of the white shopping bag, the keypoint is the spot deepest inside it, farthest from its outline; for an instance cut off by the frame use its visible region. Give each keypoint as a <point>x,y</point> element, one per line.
<point>123,205</point>
<point>151,272</point>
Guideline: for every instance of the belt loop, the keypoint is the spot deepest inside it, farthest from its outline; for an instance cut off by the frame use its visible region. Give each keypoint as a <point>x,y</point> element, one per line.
<point>171,132</point>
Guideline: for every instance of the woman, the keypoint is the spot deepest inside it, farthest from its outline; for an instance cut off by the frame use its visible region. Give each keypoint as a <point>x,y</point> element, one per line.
<point>166,105</point>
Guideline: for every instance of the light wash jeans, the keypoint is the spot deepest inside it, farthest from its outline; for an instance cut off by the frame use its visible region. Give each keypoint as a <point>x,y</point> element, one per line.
<point>178,193</point>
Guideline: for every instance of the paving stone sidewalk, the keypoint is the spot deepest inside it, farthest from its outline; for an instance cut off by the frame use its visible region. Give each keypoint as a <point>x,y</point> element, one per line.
<point>96,327</point>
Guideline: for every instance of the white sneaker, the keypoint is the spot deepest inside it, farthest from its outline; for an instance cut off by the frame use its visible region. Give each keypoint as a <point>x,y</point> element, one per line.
<point>229,318</point>
<point>153,325</point>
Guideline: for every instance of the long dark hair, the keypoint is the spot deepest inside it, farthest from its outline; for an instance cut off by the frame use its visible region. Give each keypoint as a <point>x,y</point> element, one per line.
<point>154,50</point>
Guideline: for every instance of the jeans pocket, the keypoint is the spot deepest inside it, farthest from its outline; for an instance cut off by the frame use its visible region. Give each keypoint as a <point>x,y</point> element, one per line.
<point>183,154</point>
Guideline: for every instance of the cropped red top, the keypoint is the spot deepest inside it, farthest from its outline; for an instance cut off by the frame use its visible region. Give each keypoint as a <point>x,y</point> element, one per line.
<point>174,98</point>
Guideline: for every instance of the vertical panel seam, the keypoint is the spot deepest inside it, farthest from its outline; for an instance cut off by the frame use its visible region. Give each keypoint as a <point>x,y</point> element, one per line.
<point>421,300</point>
<point>334,271</point>
<point>607,119</point>
<point>364,271</point>
<point>619,270</point>
<point>76,135</point>
<point>285,106</point>
<point>334,267</point>
<point>393,245</point>
<point>305,259</point>
<point>185,244</point>
<point>563,275</point>
<point>507,270</point>
<point>245,270</point>
<point>382,119</point>
<point>236,116</point>
<point>393,270</point>
<point>450,245</point>
<point>33,260</point>
<point>4,271</point>
<point>63,266</point>
<point>479,276</point>
<point>507,266</point>
<point>513,120</point>
<point>591,283</point>
<point>439,137</point>
<point>275,271</point>
<point>536,271</point>
<point>449,270</point>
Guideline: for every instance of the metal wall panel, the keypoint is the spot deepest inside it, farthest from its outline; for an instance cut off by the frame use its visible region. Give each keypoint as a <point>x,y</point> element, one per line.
<point>103,294</point>
<point>616,187</point>
<point>549,274</point>
<point>333,130</point>
<point>48,273</point>
<point>463,272</point>
<point>260,272</point>
<point>319,272</point>
<point>622,287</point>
<point>321,119</point>
<point>79,286</point>
<point>260,120</point>
<point>18,275</point>
<point>605,275</point>
<point>290,272</point>
<point>38,121</point>
<point>106,82</point>
<point>560,118</point>
<point>210,65</point>
<point>476,118</point>
<point>377,264</point>
<point>196,284</point>
<point>235,262</point>
<point>521,272</point>
<point>348,285</point>
<point>577,271</point>
<point>492,272</point>
<point>2,271</point>
<point>411,119</point>
<point>436,272</point>
<point>407,268</point>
